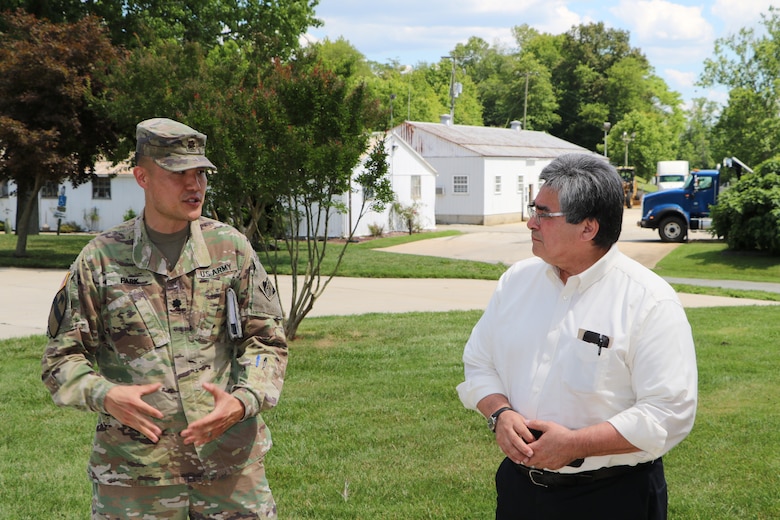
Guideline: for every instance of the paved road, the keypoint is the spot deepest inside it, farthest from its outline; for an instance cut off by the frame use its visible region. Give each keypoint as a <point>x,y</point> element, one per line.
<point>27,293</point>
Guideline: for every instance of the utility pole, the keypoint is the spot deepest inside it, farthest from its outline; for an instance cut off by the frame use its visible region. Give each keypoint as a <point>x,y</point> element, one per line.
<point>525,99</point>
<point>455,89</point>
<point>408,69</point>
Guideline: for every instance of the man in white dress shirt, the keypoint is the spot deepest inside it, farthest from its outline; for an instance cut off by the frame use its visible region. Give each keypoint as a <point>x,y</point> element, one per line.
<point>583,362</point>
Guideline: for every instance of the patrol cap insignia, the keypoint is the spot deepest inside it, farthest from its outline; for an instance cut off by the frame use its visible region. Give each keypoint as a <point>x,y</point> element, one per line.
<point>268,289</point>
<point>58,307</point>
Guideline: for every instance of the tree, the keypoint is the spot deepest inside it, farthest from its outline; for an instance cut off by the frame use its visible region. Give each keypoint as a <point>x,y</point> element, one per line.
<point>50,127</point>
<point>599,78</point>
<point>274,25</point>
<point>510,85</point>
<point>312,131</point>
<point>285,137</point>
<point>747,215</point>
<point>696,145</point>
<point>747,65</point>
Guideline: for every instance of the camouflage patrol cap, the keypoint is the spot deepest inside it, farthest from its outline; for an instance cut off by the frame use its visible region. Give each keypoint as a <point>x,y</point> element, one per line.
<point>173,145</point>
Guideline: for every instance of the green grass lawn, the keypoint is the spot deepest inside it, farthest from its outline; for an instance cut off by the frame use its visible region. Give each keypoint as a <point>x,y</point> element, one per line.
<point>700,259</point>
<point>370,427</point>
<point>711,260</point>
<point>58,252</point>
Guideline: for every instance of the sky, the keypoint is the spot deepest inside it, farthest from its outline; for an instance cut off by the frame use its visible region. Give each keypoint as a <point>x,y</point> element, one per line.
<point>675,36</point>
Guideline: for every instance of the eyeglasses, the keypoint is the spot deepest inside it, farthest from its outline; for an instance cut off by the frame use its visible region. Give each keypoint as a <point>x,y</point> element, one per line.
<point>539,215</point>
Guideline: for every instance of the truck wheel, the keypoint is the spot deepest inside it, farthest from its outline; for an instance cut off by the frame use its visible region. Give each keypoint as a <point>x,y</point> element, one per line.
<point>673,229</point>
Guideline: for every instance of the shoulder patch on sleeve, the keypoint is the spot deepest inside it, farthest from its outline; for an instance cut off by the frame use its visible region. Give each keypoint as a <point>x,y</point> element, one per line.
<point>58,307</point>
<point>268,289</point>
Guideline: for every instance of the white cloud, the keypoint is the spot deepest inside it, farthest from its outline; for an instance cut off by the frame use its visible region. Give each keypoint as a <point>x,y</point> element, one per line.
<point>736,14</point>
<point>678,79</point>
<point>652,21</point>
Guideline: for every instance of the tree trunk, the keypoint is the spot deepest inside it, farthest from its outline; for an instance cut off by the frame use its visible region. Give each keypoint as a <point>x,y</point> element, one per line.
<point>29,202</point>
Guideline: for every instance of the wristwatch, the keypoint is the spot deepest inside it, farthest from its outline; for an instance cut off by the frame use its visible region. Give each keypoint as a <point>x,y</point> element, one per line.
<point>493,419</point>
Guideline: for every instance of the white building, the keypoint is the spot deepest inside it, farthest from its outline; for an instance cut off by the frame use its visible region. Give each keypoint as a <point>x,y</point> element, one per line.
<point>97,205</point>
<point>486,176</point>
<point>413,181</point>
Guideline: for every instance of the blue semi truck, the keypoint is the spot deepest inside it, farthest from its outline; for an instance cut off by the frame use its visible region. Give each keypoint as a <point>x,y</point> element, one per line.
<point>675,212</point>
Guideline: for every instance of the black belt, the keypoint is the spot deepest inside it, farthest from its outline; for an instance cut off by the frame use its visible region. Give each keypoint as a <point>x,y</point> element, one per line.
<point>544,478</point>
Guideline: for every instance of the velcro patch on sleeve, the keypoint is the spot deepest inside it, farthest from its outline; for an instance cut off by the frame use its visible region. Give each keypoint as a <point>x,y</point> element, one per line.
<point>58,308</point>
<point>268,289</point>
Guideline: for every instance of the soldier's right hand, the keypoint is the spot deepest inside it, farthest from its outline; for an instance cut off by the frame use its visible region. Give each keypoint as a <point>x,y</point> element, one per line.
<point>124,404</point>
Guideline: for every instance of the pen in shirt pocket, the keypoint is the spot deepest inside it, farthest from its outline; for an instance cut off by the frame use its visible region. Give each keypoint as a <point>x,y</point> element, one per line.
<point>600,340</point>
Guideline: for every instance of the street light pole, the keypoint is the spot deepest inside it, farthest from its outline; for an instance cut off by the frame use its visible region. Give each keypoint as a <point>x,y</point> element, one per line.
<point>607,126</point>
<point>627,139</point>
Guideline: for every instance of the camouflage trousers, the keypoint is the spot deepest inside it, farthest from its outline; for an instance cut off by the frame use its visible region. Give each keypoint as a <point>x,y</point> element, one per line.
<point>243,495</point>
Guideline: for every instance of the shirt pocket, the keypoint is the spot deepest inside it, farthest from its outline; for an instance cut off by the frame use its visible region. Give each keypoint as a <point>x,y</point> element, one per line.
<point>209,308</point>
<point>585,366</point>
<point>134,326</point>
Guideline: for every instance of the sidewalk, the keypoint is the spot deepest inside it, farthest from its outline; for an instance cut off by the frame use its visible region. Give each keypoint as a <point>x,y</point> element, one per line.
<point>27,293</point>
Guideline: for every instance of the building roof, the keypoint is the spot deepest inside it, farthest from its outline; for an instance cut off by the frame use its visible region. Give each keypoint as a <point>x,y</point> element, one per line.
<point>495,142</point>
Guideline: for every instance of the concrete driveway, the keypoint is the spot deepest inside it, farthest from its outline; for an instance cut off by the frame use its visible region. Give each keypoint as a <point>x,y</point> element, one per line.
<point>508,243</point>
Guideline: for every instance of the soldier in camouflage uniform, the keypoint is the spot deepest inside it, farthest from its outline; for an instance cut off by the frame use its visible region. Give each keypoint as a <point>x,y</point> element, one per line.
<point>143,333</point>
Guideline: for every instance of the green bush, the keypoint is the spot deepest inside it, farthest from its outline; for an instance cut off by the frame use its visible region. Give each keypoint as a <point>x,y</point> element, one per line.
<point>747,215</point>
<point>70,227</point>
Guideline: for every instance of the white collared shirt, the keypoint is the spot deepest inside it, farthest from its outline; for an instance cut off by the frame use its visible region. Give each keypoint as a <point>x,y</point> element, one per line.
<point>527,347</point>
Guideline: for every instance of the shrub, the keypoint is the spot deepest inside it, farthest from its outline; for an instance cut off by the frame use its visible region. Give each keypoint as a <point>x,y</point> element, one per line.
<point>376,230</point>
<point>129,214</point>
<point>70,227</point>
<point>747,215</point>
<point>409,215</point>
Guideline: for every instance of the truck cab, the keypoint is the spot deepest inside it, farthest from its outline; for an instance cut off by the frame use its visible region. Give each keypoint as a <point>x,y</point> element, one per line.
<point>674,212</point>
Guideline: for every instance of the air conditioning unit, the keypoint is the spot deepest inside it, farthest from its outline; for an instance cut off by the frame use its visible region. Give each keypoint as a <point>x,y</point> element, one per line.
<point>439,190</point>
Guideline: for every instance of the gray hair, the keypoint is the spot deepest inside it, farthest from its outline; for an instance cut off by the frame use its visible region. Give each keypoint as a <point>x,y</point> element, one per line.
<point>588,187</point>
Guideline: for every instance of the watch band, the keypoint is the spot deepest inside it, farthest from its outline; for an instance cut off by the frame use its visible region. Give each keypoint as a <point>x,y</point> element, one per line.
<point>493,420</point>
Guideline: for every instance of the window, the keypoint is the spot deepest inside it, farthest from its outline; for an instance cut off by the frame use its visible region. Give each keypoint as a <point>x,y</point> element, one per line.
<point>50,190</point>
<point>460,184</point>
<point>497,185</point>
<point>101,188</point>
<point>3,189</point>
<point>521,184</point>
<point>416,187</point>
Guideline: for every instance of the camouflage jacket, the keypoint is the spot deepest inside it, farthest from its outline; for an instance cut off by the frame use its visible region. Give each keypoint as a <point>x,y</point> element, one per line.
<point>122,318</point>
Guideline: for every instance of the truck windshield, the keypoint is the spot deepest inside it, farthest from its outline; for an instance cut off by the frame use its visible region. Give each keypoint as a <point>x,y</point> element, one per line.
<point>688,182</point>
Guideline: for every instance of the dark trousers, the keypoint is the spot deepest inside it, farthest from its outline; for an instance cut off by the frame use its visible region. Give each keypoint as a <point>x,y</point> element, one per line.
<point>638,495</point>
